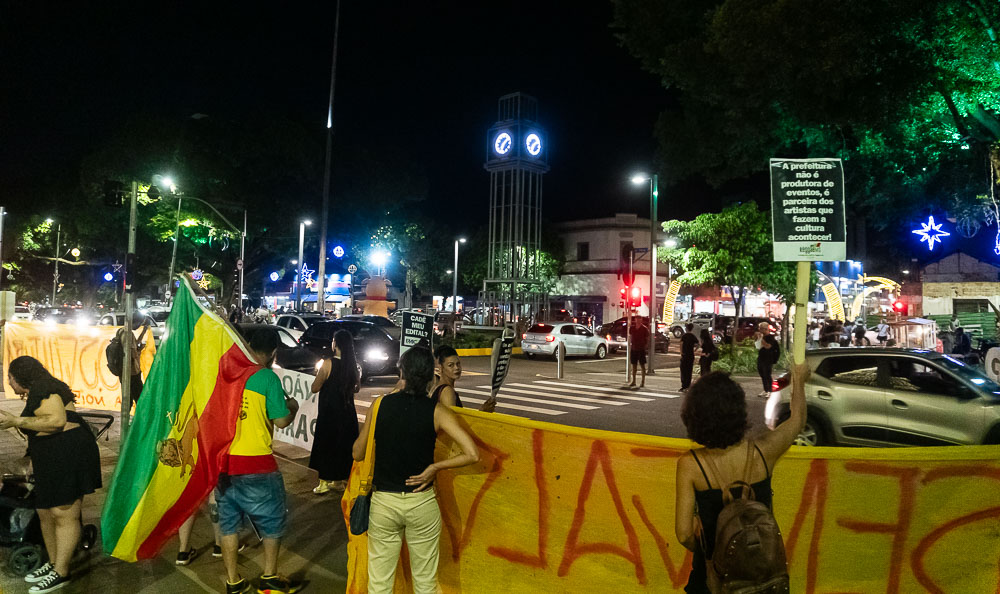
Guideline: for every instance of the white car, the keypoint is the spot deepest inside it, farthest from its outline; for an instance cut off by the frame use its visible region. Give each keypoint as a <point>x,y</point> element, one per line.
<point>296,323</point>
<point>544,339</point>
<point>118,319</point>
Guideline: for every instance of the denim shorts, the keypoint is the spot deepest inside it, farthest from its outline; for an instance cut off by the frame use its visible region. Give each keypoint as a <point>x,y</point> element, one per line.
<point>260,496</point>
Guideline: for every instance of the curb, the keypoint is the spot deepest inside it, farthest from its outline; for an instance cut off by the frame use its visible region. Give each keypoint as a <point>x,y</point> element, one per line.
<point>482,352</point>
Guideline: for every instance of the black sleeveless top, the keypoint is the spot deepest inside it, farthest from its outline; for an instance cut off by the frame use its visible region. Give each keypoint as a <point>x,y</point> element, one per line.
<point>709,505</point>
<point>40,391</point>
<point>404,440</point>
<point>436,396</point>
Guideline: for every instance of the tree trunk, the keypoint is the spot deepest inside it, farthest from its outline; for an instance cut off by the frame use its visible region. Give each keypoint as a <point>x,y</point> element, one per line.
<point>409,288</point>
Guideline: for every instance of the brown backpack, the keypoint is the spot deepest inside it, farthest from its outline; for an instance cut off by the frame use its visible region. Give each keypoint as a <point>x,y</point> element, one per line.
<point>749,555</point>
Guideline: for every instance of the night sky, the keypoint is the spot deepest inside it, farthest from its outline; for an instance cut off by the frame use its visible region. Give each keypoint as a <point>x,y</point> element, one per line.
<point>418,75</point>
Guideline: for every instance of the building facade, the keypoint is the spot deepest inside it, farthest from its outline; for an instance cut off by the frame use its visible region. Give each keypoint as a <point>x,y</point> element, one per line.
<point>590,283</point>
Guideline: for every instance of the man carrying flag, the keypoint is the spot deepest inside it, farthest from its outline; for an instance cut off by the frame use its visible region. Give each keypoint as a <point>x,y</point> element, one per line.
<point>206,414</point>
<point>252,484</point>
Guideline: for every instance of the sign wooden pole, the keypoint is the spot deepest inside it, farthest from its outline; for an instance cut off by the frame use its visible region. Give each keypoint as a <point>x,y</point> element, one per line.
<point>802,273</point>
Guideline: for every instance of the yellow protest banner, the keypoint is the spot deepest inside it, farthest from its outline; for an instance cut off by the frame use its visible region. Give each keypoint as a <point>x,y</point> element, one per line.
<point>552,508</point>
<point>74,354</point>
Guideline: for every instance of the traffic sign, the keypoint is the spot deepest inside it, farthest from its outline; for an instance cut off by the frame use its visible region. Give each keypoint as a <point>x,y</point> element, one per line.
<point>352,269</point>
<point>640,250</point>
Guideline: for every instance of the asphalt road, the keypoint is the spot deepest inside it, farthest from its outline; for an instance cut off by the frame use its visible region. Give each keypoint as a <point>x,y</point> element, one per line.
<point>592,393</point>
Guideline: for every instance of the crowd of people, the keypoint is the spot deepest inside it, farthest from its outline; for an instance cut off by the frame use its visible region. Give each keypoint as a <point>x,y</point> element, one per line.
<point>404,429</point>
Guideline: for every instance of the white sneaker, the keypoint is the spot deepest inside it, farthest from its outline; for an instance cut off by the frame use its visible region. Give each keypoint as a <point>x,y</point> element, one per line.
<point>52,581</point>
<point>39,574</point>
<point>322,487</point>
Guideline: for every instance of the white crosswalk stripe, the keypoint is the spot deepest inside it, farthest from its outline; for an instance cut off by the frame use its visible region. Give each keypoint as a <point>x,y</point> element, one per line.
<point>549,392</point>
<point>549,397</point>
<point>535,400</point>
<point>607,389</point>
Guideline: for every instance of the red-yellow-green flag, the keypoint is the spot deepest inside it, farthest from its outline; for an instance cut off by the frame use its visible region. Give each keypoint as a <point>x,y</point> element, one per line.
<point>184,423</point>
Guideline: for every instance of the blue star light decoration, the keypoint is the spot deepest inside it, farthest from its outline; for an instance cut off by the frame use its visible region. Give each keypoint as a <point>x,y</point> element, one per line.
<point>931,232</point>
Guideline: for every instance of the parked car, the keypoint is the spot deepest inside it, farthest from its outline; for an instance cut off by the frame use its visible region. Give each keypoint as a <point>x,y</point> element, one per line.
<point>701,321</point>
<point>118,319</point>
<point>748,326</point>
<point>614,333</point>
<point>892,397</point>
<point>22,313</point>
<point>376,349</point>
<point>291,355</point>
<point>383,323</point>
<point>544,339</point>
<point>296,323</point>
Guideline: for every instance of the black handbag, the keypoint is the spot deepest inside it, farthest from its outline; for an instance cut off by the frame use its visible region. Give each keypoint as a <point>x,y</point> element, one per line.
<point>363,502</point>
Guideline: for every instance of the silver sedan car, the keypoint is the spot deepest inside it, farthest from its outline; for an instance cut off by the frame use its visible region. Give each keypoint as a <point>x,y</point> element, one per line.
<point>544,339</point>
<point>892,397</point>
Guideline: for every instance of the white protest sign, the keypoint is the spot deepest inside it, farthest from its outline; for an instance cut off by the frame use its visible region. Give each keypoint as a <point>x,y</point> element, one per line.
<point>298,386</point>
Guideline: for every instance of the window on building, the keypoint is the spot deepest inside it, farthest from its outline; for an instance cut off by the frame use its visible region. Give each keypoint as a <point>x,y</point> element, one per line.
<point>971,306</point>
<point>582,250</point>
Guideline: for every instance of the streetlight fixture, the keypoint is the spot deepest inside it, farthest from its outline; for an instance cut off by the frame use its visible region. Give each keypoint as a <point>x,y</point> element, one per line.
<point>454,283</point>
<point>653,195</point>
<point>380,258</point>
<point>298,274</point>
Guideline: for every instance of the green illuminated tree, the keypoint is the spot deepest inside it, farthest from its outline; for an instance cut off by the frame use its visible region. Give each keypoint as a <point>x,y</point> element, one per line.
<point>906,92</point>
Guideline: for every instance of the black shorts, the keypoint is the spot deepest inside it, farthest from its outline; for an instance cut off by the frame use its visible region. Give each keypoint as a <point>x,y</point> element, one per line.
<point>637,356</point>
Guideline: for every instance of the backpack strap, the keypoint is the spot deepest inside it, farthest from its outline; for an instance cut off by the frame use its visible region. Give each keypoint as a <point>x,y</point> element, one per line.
<point>744,485</point>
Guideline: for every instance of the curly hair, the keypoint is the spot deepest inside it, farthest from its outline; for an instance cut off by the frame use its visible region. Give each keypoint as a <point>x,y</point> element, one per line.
<point>715,411</point>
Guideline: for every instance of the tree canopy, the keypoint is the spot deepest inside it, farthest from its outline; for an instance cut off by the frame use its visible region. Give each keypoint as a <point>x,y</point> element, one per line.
<point>907,93</point>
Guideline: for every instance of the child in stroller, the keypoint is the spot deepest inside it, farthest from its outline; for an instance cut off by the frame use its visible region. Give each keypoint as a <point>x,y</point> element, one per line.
<point>20,528</point>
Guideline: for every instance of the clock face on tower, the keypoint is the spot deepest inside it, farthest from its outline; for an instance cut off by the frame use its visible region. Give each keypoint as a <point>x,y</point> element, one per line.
<point>533,143</point>
<point>502,143</point>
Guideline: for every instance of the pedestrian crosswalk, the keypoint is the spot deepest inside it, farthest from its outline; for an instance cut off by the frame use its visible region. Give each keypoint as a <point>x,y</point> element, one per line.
<point>547,398</point>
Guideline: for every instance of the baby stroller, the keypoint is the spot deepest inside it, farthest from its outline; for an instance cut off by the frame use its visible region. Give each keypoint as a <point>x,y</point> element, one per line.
<point>20,528</point>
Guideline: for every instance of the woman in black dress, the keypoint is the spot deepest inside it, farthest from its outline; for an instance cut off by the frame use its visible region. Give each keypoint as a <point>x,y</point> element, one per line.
<point>709,352</point>
<point>336,418</point>
<point>65,460</point>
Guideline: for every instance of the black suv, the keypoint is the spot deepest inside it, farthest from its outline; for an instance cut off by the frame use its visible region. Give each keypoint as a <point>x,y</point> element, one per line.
<point>377,351</point>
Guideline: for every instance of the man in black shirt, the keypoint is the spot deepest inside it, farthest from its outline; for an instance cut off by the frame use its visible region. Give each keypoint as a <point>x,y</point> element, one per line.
<point>638,344</point>
<point>689,342</point>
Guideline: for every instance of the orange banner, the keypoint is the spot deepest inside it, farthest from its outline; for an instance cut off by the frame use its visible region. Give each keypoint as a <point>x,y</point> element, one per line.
<point>74,354</point>
<point>551,508</point>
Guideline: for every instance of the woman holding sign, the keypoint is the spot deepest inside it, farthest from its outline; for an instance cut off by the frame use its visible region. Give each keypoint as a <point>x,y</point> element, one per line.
<point>336,418</point>
<point>448,372</point>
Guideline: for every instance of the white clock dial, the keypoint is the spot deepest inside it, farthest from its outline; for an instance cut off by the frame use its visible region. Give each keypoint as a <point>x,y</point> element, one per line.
<point>502,143</point>
<point>533,143</point>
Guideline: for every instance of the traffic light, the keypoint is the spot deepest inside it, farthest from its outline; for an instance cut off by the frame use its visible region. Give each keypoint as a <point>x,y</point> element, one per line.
<point>899,306</point>
<point>623,291</point>
<point>114,193</point>
<point>635,295</point>
<point>626,267</point>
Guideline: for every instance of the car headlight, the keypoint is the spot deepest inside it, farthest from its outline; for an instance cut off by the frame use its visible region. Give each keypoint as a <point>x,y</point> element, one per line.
<point>376,355</point>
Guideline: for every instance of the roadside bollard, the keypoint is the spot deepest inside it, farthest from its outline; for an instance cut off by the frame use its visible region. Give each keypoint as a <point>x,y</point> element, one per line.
<point>560,359</point>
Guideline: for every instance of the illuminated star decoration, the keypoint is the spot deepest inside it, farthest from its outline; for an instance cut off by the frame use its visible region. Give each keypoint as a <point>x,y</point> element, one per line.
<point>931,232</point>
<point>203,283</point>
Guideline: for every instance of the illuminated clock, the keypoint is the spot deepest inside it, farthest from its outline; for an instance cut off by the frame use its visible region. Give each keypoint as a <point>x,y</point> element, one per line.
<point>338,252</point>
<point>533,143</point>
<point>502,143</point>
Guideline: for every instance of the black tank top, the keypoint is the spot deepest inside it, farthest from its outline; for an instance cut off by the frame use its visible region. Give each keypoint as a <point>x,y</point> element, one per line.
<point>404,440</point>
<point>436,396</point>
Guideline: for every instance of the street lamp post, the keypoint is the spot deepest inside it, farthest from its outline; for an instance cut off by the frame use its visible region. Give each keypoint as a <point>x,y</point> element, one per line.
<point>55,270</point>
<point>653,196</point>
<point>454,282</point>
<point>3,212</point>
<point>301,265</point>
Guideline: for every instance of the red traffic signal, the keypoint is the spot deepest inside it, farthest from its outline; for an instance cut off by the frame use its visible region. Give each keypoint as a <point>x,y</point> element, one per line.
<point>635,297</point>
<point>898,306</point>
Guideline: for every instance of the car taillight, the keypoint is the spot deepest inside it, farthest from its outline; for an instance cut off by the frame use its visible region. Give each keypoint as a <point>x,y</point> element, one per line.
<point>609,337</point>
<point>523,336</point>
<point>550,338</point>
<point>780,382</point>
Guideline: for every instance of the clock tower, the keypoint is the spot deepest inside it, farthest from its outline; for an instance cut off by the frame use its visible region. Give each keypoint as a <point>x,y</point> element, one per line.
<point>516,159</point>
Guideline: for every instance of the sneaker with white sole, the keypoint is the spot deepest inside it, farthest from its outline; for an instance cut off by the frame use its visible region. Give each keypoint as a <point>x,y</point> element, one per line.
<point>52,581</point>
<point>39,574</point>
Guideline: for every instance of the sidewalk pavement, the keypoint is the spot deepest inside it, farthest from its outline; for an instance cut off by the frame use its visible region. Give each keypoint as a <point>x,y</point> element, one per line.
<point>314,548</point>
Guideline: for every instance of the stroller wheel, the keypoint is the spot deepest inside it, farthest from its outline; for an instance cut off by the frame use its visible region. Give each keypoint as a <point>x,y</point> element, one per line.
<point>89,536</point>
<point>24,559</point>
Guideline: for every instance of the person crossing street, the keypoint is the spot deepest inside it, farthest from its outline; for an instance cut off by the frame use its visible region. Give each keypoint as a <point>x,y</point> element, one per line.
<point>689,342</point>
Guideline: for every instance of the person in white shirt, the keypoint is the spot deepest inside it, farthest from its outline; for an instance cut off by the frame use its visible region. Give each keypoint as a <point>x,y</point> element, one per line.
<point>882,332</point>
